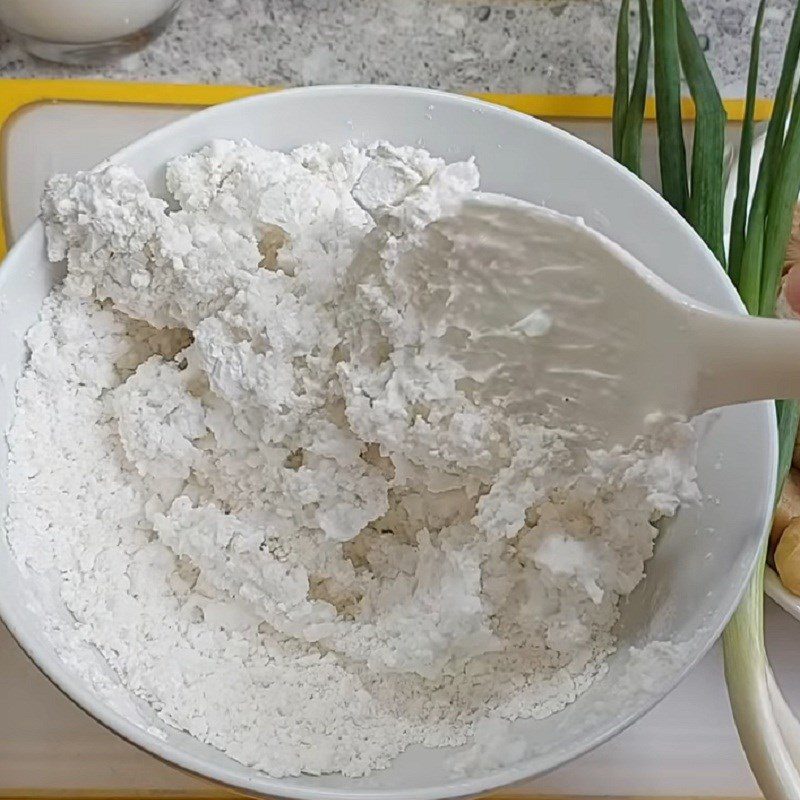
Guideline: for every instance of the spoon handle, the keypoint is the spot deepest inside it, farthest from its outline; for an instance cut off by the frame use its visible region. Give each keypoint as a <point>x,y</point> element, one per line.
<point>741,358</point>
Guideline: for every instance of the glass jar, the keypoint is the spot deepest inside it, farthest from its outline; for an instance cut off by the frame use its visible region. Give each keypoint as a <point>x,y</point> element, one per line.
<point>85,31</point>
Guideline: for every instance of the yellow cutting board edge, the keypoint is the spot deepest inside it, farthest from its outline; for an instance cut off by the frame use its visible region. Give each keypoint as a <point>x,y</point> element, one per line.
<point>17,93</point>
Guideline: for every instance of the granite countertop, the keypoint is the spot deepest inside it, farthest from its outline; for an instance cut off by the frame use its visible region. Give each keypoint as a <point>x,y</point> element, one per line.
<point>532,46</point>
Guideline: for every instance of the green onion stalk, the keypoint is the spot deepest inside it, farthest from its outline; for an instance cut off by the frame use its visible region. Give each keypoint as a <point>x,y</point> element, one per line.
<point>760,228</point>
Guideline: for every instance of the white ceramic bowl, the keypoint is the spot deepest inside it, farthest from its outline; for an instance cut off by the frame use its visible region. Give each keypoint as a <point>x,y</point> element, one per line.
<point>703,556</point>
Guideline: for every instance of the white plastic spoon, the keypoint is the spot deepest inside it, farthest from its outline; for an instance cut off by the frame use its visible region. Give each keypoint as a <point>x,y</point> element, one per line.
<point>558,321</point>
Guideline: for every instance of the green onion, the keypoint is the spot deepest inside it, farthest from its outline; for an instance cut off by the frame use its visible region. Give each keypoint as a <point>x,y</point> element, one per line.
<point>631,152</point>
<point>746,666</point>
<point>739,217</point>
<point>749,285</point>
<point>788,417</point>
<point>667,78</point>
<point>704,210</point>
<point>621,80</point>
<point>628,114</point>
<point>769,731</point>
<point>780,112</point>
<point>782,200</point>
<point>753,273</point>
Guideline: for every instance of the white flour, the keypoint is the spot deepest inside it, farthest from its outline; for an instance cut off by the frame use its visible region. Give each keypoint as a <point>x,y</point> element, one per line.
<point>269,498</point>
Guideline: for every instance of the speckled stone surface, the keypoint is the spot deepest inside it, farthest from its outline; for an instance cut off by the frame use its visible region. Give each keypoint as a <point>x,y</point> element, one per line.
<point>535,46</point>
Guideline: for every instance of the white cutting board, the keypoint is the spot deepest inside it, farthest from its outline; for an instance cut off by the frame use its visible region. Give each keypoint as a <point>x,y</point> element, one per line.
<point>686,746</point>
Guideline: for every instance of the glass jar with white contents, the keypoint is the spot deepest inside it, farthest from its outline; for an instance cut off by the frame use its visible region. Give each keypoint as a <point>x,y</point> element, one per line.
<point>85,31</point>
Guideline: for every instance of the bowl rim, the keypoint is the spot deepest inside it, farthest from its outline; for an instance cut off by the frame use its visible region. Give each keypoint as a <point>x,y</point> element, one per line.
<point>262,784</point>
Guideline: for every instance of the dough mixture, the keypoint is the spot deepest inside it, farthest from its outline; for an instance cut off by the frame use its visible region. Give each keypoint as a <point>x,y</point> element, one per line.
<point>252,468</point>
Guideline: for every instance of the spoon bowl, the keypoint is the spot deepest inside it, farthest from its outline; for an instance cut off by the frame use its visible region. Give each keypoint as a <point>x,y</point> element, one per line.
<point>565,325</point>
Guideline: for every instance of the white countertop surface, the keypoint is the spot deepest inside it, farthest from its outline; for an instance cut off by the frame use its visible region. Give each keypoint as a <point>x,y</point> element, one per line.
<point>530,46</point>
